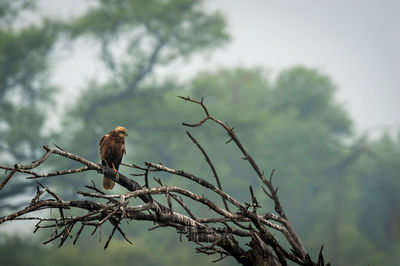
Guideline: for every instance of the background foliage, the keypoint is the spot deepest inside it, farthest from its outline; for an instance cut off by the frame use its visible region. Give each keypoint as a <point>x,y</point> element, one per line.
<point>338,188</point>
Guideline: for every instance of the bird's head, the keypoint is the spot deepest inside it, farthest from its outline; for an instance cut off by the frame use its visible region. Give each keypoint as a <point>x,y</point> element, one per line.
<point>120,132</point>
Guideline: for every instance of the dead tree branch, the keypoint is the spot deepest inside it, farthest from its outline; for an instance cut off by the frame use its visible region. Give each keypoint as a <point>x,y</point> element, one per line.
<point>218,233</point>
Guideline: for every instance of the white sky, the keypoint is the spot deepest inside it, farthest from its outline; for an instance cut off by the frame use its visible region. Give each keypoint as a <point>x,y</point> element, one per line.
<point>355,42</point>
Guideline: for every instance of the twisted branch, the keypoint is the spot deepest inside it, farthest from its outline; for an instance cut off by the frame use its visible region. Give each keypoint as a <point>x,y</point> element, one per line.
<point>218,233</point>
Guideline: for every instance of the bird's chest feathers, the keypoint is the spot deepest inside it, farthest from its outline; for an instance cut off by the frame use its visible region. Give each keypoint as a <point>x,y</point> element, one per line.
<point>114,148</point>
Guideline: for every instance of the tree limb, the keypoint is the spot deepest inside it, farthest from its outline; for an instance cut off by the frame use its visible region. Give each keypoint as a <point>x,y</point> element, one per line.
<point>218,233</point>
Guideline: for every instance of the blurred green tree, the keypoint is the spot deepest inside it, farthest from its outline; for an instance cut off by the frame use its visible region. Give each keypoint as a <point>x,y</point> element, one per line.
<point>135,37</point>
<point>299,140</point>
<point>293,123</point>
<point>25,94</point>
<point>378,215</point>
<point>147,251</point>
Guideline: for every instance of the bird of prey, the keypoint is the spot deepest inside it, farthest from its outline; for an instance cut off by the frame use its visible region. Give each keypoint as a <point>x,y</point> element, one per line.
<point>112,148</point>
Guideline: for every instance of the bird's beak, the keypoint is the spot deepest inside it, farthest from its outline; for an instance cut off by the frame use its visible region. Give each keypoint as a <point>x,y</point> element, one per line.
<point>126,134</point>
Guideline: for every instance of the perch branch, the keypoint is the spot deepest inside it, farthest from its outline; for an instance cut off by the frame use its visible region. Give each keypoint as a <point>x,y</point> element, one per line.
<point>216,233</point>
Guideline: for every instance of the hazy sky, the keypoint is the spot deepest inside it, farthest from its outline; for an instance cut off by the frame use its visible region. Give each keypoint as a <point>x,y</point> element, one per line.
<point>355,42</point>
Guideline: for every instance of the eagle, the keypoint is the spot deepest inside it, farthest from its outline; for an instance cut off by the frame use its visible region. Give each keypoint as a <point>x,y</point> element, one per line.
<point>112,148</point>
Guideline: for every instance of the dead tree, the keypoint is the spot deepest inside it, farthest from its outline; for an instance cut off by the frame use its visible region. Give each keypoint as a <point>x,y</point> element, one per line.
<point>216,234</point>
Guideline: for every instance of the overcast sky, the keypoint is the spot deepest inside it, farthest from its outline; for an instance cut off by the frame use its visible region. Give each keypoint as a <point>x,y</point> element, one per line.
<point>355,42</point>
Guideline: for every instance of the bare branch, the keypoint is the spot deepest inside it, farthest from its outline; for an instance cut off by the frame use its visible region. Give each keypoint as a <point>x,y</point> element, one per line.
<point>210,164</point>
<point>260,174</point>
<point>13,171</point>
<point>196,179</point>
<point>217,232</point>
<point>57,173</point>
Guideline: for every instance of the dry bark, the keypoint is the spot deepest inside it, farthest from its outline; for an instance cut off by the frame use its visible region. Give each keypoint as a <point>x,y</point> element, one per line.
<point>216,234</point>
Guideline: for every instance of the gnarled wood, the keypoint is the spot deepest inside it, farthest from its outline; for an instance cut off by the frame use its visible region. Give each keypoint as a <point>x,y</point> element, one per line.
<point>218,233</point>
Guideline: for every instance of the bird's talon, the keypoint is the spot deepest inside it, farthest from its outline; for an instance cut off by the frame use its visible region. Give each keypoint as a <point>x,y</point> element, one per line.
<point>115,170</point>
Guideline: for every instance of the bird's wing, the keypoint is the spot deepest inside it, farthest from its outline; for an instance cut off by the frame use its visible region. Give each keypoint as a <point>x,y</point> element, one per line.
<point>103,146</point>
<point>103,138</point>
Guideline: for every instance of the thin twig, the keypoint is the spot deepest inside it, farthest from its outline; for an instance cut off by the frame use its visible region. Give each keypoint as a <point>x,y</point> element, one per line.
<point>211,166</point>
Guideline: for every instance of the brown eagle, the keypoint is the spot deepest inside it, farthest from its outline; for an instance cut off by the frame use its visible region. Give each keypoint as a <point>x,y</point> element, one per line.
<point>112,148</point>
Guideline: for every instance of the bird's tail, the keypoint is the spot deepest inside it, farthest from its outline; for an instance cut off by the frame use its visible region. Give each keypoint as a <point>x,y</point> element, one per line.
<point>108,183</point>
